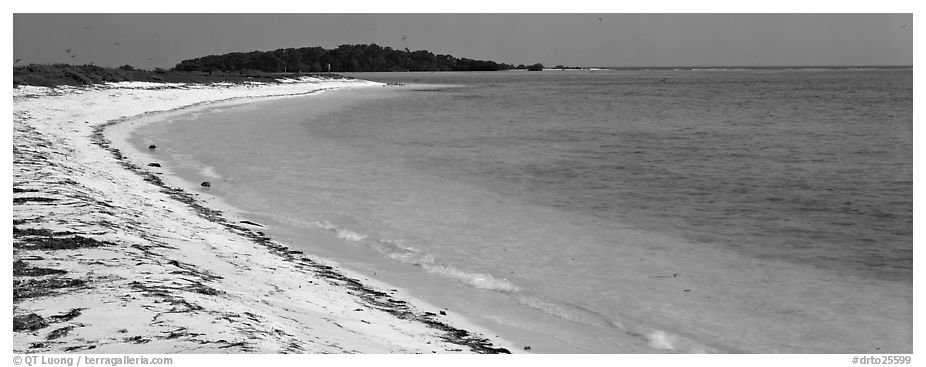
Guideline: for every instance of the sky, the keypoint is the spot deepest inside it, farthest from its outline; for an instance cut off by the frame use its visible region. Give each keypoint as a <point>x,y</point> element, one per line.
<point>163,40</point>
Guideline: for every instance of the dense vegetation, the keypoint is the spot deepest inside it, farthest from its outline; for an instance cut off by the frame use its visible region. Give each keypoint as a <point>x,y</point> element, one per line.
<point>535,67</point>
<point>237,67</point>
<point>64,74</point>
<point>345,58</point>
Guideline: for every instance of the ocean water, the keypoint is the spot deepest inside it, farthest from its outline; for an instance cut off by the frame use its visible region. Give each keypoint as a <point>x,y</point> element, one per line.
<point>596,211</point>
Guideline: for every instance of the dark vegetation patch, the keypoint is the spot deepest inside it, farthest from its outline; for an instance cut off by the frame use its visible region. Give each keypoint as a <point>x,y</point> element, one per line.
<point>44,239</point>
<point>59,243</point>
<point>169,295</point>
<point>58,333</point>
<point>80,347</point>
<point>21,232</point>
<point>77,75</point>
<point>22,200</point>
<point>345,58</point>
<point>67,316</point>
<point>17,190</point>
<point>30,288</point>
<point>17,232</point>
<point>138,339</point>
<point>191,270</point>
<point>21,269</point>
<point>181,333</point>
<point>30,322</point>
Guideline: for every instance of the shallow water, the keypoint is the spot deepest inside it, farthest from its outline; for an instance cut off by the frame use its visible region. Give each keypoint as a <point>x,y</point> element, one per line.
<point>632,211</point>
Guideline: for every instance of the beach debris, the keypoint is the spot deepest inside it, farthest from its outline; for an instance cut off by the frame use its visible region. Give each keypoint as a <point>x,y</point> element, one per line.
<point>154,164</point>
<point>206,184</point>
<point>152,147</point>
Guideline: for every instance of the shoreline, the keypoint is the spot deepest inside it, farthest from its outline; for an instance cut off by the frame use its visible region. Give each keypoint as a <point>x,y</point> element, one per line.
<point>130,255</point>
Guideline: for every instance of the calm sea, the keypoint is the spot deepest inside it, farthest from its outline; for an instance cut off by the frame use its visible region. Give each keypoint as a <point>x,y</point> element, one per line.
<point>597,211</point>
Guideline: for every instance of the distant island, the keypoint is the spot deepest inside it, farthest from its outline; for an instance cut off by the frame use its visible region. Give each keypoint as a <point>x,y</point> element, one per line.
<point>345,58</point>
<point>239,67</point>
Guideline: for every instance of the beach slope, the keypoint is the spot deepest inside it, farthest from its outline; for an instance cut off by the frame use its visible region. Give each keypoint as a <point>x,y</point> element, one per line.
<point>109,258</point>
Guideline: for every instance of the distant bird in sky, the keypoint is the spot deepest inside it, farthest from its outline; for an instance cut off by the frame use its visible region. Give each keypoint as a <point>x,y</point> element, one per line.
<point>67,51</point>
<point>73,56</point>
<point>903,26</point>
<point>17,60</point>
<point>116,43</point>
<point>85,28</point>
<point>404,37</point>
<point>600,19</point>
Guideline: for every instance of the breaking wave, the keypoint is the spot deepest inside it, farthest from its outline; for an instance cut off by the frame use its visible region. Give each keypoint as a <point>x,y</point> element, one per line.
<point>653,337</point>
<point>209,172</point>
<point>414,256</point>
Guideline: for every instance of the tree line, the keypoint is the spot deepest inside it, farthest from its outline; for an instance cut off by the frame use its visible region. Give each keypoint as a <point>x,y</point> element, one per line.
<point>345,58</point>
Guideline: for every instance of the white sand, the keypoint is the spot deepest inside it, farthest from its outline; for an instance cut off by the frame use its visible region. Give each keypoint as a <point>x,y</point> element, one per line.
<point>167,279</point>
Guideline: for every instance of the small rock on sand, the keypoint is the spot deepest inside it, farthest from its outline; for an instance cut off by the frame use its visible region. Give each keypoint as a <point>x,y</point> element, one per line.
<point>152,147</point>
<point>205,184</point>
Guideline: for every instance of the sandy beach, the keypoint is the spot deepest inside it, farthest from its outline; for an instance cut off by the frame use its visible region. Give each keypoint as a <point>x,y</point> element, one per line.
<point>111,256</point>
